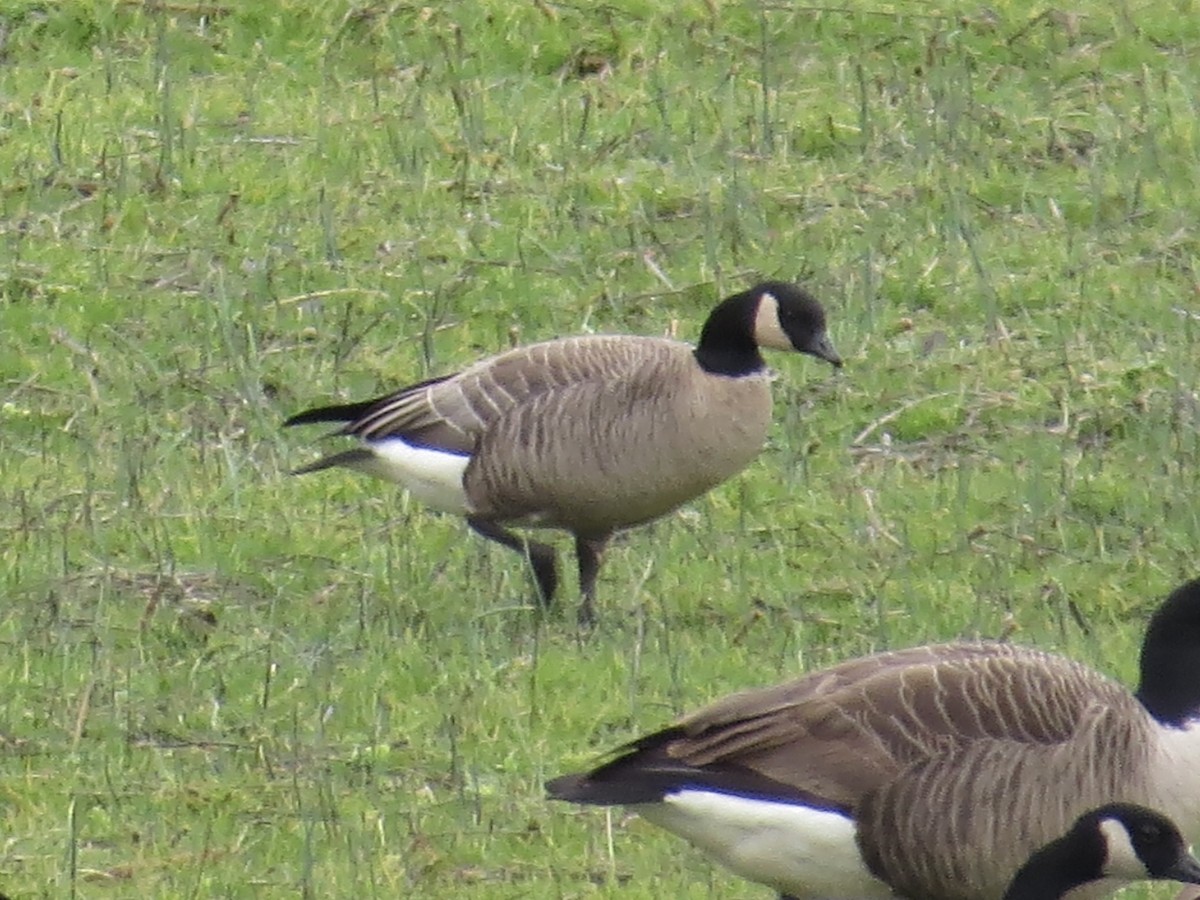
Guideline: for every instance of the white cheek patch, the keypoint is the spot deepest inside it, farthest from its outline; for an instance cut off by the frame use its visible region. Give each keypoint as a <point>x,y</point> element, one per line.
<point>1123,861</point>
<point>767,330</point>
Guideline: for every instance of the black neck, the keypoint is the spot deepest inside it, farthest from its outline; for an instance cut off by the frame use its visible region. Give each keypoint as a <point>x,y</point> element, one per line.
<point>1170,686</point>
<point>727,345</point>
<point>1056,869</point>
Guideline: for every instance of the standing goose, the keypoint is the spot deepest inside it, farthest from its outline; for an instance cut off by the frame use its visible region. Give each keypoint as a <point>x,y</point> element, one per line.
<point>591,435</point>
<point>1119,841</point>
<point>884,776</point>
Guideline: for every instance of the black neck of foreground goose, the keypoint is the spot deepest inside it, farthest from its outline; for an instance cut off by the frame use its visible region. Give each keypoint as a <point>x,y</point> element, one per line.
<point>1152,848</point>
<point>1062,865</point>
<point>727,345</point>
<point>1169,686</point>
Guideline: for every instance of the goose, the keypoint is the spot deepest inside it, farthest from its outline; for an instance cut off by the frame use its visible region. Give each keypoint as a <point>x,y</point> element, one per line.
<point>1121,841</point>
<point>590,435</point>
<point>883,776</point>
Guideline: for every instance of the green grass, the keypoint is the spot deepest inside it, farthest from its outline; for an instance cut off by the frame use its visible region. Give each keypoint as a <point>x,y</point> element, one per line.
<point>219,681</point>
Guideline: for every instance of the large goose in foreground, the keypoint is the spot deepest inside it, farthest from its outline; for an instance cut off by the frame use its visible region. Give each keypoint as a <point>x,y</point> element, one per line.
<point>590,435</point>
<point>927,773</point>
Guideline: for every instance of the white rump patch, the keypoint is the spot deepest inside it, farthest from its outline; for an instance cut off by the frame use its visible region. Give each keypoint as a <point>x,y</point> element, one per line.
<point>434,477</point>
<point>794,849</point>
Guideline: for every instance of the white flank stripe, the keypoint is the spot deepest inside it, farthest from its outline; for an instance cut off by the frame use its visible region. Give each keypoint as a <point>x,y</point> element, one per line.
<point>794,849</point>
<point>434,477</point>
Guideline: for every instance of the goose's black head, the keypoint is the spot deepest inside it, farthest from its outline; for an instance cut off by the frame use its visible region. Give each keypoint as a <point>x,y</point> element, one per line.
<point>1170,660</point>
<point>773,314</point>
<point>1140,843</point>
<point>1119,840</point>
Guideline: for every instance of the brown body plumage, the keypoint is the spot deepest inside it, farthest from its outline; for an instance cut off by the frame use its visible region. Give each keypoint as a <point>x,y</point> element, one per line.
<point>587,434</point>
<point>594,395</point>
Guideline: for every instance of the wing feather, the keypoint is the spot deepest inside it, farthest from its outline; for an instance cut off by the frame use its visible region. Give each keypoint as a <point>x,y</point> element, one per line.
<point>452,412</point>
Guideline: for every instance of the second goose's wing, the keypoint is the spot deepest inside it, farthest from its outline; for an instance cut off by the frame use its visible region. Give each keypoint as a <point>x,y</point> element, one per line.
<point>837,734</point>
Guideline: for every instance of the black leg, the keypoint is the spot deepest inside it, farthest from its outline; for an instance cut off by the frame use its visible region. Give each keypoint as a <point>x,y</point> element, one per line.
<point>588,552</point>
<point>540,556</point>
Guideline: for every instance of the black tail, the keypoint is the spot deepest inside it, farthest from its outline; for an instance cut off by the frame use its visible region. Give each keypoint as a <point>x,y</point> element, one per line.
<point>593,789</point>
<point>645,772</point>
<point>349,413</point>
<point>344,412</point>
<point>351,459</point>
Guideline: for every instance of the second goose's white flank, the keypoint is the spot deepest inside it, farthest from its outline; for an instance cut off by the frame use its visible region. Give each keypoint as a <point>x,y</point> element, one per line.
<point>778,844</point>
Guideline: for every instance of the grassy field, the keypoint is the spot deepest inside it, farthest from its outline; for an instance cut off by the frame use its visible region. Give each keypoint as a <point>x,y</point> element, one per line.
<point>220,681</point>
